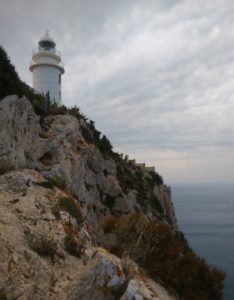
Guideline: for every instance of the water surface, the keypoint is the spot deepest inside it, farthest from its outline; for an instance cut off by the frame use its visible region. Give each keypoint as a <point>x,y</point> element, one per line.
<point>205,214</point>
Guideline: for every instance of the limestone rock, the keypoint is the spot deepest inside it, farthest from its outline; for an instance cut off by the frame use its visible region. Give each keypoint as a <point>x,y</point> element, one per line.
<point>26,216</point>
<point>163,193</point>
<point>56,148</point>
<point>19,133</point>
<point>101,278</point>
<point>140,290</point>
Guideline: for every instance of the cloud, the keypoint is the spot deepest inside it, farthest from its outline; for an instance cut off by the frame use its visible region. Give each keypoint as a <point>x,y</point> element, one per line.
<point>156,76</point>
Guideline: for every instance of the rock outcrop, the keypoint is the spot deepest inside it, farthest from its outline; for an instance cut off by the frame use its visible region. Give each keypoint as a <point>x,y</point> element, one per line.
<point>47,252</point>
<point>34,260</point>
<point>57,149</point>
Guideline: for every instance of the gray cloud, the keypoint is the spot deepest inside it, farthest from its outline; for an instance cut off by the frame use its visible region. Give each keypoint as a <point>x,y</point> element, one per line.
<point>156,76</point>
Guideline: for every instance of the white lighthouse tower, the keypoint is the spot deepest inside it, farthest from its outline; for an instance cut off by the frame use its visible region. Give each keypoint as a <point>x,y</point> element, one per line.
<point>47,68</point>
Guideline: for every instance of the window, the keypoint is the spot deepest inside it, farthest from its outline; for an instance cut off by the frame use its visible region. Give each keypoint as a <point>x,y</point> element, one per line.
<point>59,79</point>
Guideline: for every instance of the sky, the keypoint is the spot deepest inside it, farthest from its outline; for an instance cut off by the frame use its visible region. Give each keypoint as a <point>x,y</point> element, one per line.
<point>156,76</point>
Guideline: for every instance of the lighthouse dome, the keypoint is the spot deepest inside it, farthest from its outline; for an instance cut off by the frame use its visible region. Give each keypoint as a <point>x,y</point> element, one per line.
<point>47,42</point>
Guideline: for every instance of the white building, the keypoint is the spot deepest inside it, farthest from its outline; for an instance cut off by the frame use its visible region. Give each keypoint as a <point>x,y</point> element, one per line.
<point>47,68</point>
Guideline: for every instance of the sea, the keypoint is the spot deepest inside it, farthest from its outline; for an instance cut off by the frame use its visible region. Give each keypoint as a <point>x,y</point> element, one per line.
<point>205,214</point>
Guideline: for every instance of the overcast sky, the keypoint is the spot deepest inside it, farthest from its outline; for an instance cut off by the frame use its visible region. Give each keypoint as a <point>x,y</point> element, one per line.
<point>157,77</point>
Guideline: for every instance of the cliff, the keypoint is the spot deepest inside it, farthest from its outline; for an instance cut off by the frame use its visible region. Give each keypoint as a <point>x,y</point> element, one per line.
<point>59,153</point>
<point>79,221</point>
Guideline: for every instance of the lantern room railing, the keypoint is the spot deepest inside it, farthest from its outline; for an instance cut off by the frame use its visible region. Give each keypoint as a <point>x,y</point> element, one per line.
<point>43,50</point>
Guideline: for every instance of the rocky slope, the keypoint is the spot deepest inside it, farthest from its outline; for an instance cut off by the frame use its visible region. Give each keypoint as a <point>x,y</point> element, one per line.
<point>46,251</point>
<point>35,262</point>
<point>57,149</point>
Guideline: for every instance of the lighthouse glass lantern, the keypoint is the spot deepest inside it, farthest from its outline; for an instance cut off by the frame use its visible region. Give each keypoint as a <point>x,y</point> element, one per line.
<point>47,68</point>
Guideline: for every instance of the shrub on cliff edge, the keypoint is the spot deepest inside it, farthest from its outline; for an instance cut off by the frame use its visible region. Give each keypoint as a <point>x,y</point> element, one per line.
<point>164,254</point>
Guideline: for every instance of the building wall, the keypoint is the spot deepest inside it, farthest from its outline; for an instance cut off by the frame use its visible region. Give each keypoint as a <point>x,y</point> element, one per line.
<point>46,78</point>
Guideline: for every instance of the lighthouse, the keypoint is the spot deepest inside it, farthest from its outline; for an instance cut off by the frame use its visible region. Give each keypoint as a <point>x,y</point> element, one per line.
<point>47,68</point>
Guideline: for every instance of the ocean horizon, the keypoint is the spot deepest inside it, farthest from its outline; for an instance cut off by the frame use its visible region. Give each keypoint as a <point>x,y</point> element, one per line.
<point>205,214</point>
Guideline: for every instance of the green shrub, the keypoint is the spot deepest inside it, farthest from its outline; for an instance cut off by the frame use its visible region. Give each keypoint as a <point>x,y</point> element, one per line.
<point>74,244</point>
<point>45,184</point>
<point>42,245</point>
<point>72,208</point>
<point>104,145</point>
<point>87,135</point>
<point>156,178</point>
<point>10,83</point>
<point>165,256</point>
<point>58,181</point>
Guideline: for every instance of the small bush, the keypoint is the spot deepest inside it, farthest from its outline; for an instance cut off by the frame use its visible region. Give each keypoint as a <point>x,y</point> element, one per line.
<point>58,181</point>
<point>42,245</point>
<point>74,244</point>
<point>45,184</point>
<point>87,135</point>
<point>72,208</point>
<point>156,178</point>
<point>104,145</point>
<point>75,111</point>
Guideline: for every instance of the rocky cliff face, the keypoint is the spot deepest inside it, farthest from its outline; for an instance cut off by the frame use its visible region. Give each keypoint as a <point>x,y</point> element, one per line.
<point>78,221</point>
<point>36,263</point>
<point>47,252</point>
<point>57,149</point>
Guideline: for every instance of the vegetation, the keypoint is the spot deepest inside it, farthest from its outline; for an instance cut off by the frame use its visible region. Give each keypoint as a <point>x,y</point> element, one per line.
<point>42,245</point>
<point>87,135</point>
<point>105,146</point>
<point>74,244</point>
<point>93,136</point>
<point>58,181</point>
<point>69,205</point>
<point>164,254</point>
<point>45,184</point>
<point>131,177</point>
<point>3,295</point>
<point>156,178</point>
<point>10,82</point>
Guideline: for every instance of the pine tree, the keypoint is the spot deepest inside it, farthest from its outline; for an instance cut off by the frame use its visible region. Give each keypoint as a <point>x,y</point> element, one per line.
<point>10,82</point>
